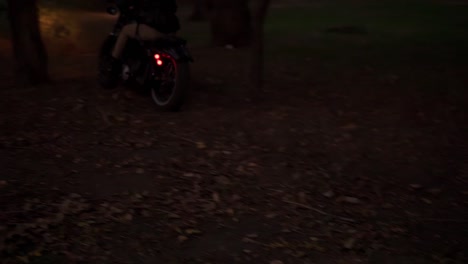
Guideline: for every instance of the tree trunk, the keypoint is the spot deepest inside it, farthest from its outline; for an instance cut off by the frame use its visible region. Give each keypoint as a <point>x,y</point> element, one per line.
<point>28,48</point>
<point>259,12</point>
<point>199,10</point>
<point>230,22</point>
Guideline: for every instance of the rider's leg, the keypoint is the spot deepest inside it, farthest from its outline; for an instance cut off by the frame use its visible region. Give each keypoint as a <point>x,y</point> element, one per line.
<point>115,65</point>
<point>146,32</point>
<point>134,30</point>
<point>124,35</point>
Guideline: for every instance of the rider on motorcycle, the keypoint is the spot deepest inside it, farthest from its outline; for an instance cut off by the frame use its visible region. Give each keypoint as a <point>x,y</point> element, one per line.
<point>154,18</point>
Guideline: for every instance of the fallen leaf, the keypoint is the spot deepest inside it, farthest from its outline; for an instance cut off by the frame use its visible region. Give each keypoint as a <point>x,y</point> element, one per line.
<point>36,253</point>
<point>74,195</point>
<point>349,244</point>
<point>398,230</point>
<point>302,197</point>
<point>189,174</point>
<point>216,197</point>
<point>78,107</point>
<point>271,215</point>
<point>27,207</point>
<point>350,126</point>
<point>276,262</point>
<point>427,201</point>
<point>115,210</point>
<point>209,206</point>
<point>3,183</point>
<point>192,231</point>
<point>240,169</point>
<point>182,238</point>
<point>351,200</point>
<point>140,171</point>
<point>82,224</point>
<point>296,176</point>
<point>433,191</point>
<point>201,145</point>
<point>252,164</point>
<point>141,145</point>
<point>177,229</point>
<point>387,205</point>
<point>223,180</point>
<point>175,216</point>
<point>328,194</point>
<point>120,118</point>
<point>127,217</point>
<point>145,213</point>
<point>248,240</point>
<point>23,259</point>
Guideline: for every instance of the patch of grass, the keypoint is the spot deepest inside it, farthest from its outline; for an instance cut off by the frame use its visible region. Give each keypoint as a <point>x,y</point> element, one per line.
<point>196,33</point>
<point>398,32</point>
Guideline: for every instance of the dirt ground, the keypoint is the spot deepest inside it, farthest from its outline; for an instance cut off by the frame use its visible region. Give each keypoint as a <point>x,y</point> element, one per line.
<point>359,168</point>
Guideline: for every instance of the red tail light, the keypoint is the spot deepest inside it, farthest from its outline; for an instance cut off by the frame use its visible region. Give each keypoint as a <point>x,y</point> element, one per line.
<point>157,57</point>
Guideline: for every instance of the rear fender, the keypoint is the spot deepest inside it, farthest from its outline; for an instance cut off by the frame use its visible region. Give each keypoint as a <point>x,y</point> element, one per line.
<point>175,47</point>
<point>179,52</point>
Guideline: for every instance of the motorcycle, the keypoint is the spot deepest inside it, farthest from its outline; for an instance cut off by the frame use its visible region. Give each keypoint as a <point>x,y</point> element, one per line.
<point>159,67</point>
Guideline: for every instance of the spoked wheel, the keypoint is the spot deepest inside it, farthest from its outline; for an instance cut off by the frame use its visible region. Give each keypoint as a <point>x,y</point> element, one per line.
<point>170,86</point>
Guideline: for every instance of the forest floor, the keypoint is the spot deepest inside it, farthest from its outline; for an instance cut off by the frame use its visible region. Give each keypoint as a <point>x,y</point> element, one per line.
<point>357,152</point>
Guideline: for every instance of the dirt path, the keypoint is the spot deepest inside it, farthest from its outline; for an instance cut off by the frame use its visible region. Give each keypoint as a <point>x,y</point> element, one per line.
<point>312,180</point>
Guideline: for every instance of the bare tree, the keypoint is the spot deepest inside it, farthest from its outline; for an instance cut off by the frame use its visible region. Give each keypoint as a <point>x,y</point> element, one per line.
<point>259,12</point>
<point>199,10</point>
<point>28,48</point>
<point>230,22</point>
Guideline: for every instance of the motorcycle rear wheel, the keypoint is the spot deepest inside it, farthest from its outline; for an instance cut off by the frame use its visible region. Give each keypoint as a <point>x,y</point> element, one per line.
<point>177,89</point>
